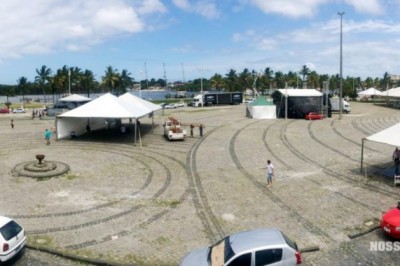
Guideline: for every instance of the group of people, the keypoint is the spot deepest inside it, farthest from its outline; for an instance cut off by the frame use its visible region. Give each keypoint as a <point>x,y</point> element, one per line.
<point>201,130</point>
<point>38,113</point>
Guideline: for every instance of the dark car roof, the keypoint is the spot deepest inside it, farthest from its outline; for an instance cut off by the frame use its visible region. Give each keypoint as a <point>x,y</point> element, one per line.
<point>256,239</point>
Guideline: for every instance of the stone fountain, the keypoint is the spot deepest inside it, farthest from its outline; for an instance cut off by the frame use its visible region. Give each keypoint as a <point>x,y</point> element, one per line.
<point>40,168</point>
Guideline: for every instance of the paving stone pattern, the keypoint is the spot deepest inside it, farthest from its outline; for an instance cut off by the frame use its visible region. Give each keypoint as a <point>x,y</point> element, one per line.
<point>149,204</point>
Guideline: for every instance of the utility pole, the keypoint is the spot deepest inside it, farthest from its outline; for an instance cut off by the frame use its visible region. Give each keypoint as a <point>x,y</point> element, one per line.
<point>341,67</point>
<point>165,76</point>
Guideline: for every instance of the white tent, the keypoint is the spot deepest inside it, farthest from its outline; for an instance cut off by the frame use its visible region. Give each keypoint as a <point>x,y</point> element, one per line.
<point>369,92</point>
<point>260,108</point>
<point>75,98</point>
<point>395,92</point>
<point>96,115</point>
<point>137,101</point>
<point>389,136</point>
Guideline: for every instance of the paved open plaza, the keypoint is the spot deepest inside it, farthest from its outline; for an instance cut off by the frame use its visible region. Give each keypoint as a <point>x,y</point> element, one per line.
<point>151,202</point>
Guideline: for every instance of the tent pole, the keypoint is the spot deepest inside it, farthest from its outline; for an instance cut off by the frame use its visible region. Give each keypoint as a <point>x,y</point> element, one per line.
<point>140,138</point>
<point>152,122</point>
<point>362,154</point>
<point>135,131</point>
<point>56,123</point>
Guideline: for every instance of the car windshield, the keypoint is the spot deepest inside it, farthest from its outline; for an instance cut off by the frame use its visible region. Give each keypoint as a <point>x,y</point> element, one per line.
<point>220,252</point>
<point>10,230</point>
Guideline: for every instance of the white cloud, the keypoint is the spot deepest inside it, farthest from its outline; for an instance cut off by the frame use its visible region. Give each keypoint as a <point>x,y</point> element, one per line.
<point>45,26</point>
<point>205,8</point>
<point>366,6</point>
<point>298,8</point>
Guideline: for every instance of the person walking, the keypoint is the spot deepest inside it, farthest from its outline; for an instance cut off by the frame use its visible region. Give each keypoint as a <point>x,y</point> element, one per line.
<point>191,130</point>
<point>47,136</point>
<point>12,123</point>
<point>201,128</point>
<point>270,173</point>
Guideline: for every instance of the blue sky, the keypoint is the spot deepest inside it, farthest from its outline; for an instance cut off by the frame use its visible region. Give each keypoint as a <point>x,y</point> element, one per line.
<point>198,38</point>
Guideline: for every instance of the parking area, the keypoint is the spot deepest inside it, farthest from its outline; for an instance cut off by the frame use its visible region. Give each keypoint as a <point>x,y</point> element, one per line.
<point>151,202</point>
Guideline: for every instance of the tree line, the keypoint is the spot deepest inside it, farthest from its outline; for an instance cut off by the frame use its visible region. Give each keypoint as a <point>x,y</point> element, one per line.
<point>75,80</point>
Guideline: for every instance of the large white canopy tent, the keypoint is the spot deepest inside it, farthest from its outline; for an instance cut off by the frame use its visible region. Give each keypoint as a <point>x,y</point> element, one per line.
<point>389,136</point>
<point>95,114</point>
<point>75,98</point>
<point>137,101</point>
<point>369,92</point>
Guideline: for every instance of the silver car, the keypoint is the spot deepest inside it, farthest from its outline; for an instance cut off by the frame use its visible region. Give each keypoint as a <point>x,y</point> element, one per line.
<point>250,248</point>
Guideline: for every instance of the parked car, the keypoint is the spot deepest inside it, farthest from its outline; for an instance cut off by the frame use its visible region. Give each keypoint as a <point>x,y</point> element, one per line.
<point>180,104</point>
<point>267,246</point>
<point>390,222</point>
<point>314,116</point>
<point>169,106</point>
<point>12,238</point>
<point>19,110</point>
<point>4,111</point>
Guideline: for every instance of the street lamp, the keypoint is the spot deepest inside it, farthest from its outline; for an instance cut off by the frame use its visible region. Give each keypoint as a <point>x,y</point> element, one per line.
<point>69,81</point>
<point>341,67</point>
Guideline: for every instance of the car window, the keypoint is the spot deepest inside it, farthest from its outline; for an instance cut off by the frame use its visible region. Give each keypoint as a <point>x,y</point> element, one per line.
<point>242,260</point>
<point>10,230</point>
<point>268,256</point>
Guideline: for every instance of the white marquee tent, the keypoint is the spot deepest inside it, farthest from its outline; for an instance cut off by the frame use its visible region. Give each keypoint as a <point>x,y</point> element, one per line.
<point>75,98</point>
<point>369,92</point>
<point>389,136</point>
<point>260,108</point>
<point>137,101</point>
<point>95,114</point>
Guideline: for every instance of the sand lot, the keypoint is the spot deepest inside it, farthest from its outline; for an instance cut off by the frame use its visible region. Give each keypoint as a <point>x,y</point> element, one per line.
<point>150,204</point>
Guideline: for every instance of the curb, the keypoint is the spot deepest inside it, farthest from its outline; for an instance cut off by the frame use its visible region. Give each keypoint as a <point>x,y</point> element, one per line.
<point>309,249</point>
<point>364,232</point>
<point>72,257</point>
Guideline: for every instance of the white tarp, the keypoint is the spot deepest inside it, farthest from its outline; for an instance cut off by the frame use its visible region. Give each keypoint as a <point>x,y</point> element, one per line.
<point>300,92</point>
<point>395,92</point>
<point>96,114</point>
<point>137,101</point>
<point>388,136</point>
<point>370,92</point>
<point>75,98</point>
<point>260,108</point>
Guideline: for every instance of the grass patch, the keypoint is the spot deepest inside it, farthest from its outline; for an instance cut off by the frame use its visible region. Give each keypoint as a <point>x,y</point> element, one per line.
<point>167,203</point>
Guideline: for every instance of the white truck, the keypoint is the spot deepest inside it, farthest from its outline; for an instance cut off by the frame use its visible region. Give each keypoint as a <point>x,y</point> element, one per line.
<point>173,129</point>
<point>335,101</point>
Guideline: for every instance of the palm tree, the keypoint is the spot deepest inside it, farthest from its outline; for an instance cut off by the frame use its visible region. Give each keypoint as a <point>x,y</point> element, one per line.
<point>231,80</point>
<point>125,80</point>
<point>245,79</point>
<point>110,78</point>
<point>43,77</point>
<point>313,80</point>
<point>305,71</point>
<point>87,81</point>
<point>217,82</point>
<point>21,84</point>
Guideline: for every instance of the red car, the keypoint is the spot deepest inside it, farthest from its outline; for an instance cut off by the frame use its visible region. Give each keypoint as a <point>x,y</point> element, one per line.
<point>4,111</point>
<point>390,222</point>
<point>314,116</point>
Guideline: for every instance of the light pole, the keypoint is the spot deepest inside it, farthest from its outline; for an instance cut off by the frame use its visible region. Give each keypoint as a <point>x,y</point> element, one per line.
<point>69,81</point>
<point>341,67</point>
